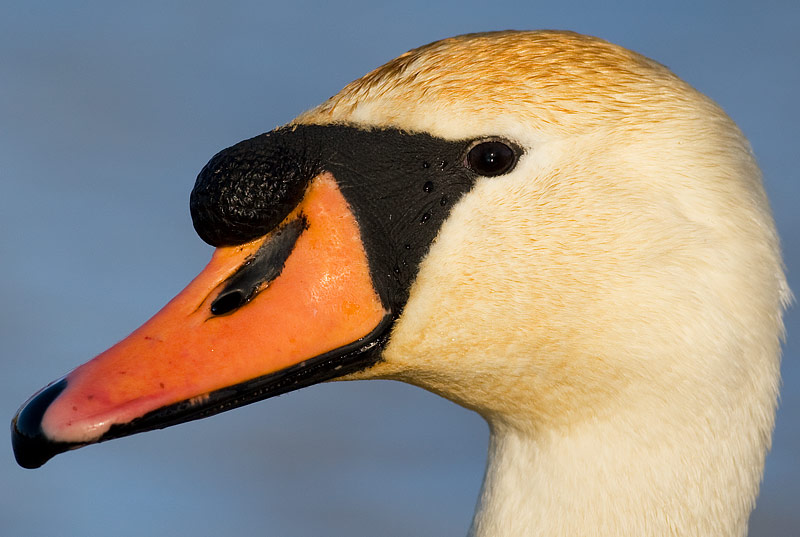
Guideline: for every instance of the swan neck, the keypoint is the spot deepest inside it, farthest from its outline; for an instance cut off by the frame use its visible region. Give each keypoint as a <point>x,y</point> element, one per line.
<point>590,482</point>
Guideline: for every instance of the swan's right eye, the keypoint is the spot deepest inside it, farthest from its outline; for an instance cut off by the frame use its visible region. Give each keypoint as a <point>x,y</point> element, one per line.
<point>491,158</point>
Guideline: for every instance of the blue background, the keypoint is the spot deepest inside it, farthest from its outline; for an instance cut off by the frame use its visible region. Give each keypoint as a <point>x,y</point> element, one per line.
<point>107,113</point>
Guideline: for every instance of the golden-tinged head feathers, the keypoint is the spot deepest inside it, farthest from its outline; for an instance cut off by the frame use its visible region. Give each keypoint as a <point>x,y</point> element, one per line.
<point>554,80</point>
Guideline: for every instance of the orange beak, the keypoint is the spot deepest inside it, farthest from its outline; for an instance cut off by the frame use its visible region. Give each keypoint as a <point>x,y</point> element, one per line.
<point>227,339</point>
<point>320,230</point>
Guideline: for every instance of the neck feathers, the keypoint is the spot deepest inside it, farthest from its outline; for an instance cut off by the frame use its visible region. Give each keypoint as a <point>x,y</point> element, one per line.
<point>671,475</point>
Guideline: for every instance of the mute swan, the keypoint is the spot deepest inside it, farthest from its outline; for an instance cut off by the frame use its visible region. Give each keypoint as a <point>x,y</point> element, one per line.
<point>543,227</point>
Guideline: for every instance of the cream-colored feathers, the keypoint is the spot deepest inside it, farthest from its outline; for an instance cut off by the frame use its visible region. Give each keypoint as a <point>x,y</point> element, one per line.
<point>612,306</point>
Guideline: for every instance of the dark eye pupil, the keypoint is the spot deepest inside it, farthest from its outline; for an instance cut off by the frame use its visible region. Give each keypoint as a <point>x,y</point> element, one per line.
<point>491,158</point>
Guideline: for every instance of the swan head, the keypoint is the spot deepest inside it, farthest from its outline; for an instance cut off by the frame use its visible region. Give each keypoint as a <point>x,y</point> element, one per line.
<point>629,253</point>
<point>605,255</point>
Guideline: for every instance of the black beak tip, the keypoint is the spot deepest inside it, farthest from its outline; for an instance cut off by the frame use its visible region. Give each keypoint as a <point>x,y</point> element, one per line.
<point>31,447</point>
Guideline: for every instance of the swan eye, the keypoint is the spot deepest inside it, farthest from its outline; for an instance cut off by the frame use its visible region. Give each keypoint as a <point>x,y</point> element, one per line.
<point>491,158</point>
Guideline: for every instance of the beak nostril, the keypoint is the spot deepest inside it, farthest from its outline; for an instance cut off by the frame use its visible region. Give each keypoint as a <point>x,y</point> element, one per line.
<point>228,302</point>
<point>260,269</point>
